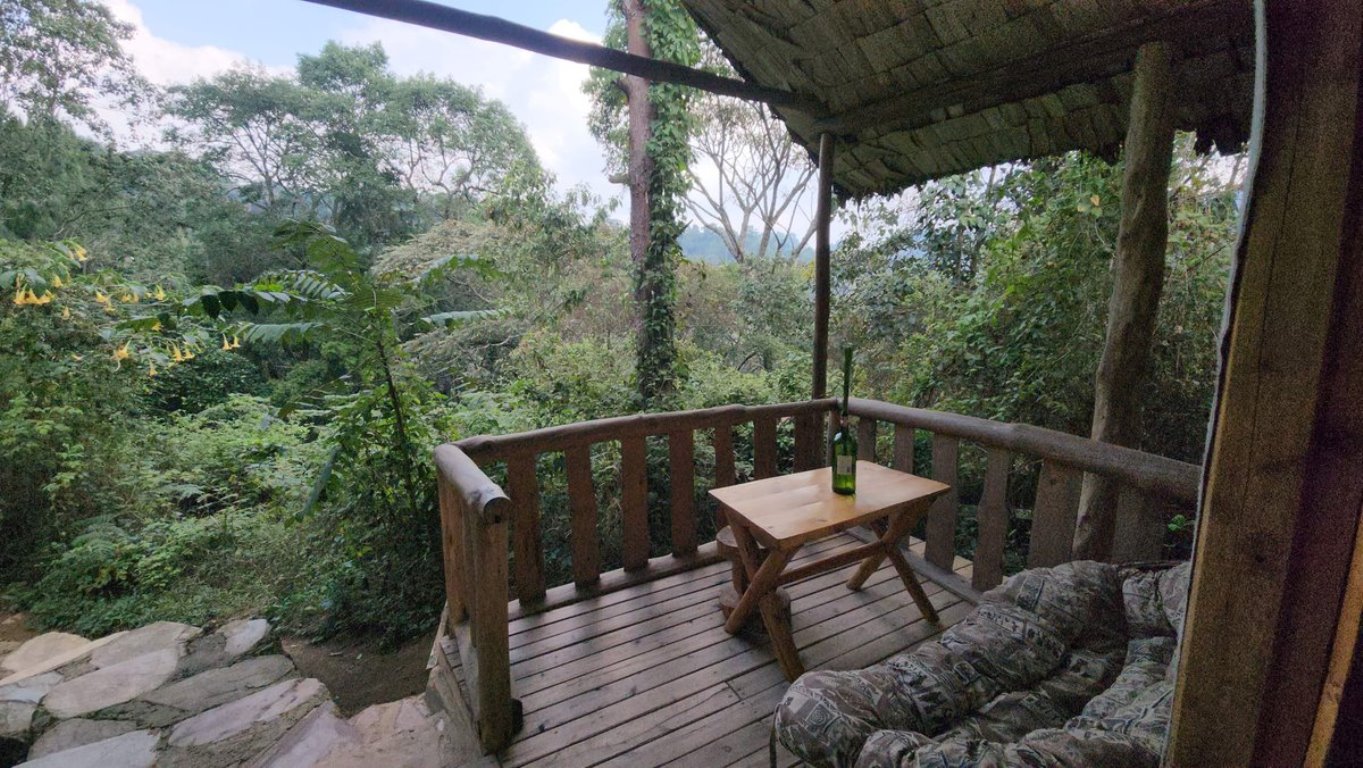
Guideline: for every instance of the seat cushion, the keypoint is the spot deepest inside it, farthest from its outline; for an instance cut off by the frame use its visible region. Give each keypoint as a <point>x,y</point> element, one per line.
<point>1067,620</point>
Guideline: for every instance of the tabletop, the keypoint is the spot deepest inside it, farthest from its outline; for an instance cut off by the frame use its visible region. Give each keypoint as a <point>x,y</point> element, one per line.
<point>785,512</point>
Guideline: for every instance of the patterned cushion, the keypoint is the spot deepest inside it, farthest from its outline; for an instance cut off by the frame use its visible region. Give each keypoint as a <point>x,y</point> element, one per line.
<point>1041,673</point>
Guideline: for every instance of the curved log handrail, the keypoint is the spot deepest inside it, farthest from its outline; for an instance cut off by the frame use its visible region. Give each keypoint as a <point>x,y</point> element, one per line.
<point>491,447</point>
<point>480,495</point>
<point>1178,480</point>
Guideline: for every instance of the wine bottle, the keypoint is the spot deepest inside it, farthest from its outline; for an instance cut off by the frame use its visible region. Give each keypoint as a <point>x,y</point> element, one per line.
<point>844,445</point>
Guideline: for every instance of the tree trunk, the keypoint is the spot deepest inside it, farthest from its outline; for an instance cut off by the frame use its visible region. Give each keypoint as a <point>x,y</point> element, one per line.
<point>640,203</point>
<point>1138,278</point>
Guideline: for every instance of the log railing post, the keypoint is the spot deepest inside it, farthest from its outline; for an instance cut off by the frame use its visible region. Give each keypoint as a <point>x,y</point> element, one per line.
<point>724,455</point>
<point>522,483</point>
<point>582,501</point>
<point>941,528</point>
<point>764,446</point>
<point>681,451</point>
<point>634,502</point>
<point>866,439</point>
<point>474,527</point>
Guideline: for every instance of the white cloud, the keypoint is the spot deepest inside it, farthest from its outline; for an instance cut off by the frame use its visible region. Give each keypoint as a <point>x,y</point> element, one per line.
<point>163,61</point>
<point>544,93</point>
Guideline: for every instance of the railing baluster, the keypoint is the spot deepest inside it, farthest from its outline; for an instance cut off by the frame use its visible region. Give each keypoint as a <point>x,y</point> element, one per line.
<point>903,448</point>
<point>764,446</point>
<point>1053,516</point>
<point>681,452</point>
<point>634,502</point>
<point>992,516</point>
<point>582,498</point>
<point>522,483</point>
<point>941,528</point>
<point>724,455</point>
<point>808,429</point>
<point>1141,525</point>
<point>866,439</point>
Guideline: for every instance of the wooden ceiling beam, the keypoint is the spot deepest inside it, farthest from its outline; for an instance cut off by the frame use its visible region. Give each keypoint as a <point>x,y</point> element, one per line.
<point>1085,60</point>
<point>442,17</point>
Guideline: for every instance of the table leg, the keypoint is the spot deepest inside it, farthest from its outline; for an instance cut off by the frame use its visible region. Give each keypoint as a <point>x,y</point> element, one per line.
<point>777,622</point>
<point>763,581</point>
<point>906,574</point>
<point>891,534</point>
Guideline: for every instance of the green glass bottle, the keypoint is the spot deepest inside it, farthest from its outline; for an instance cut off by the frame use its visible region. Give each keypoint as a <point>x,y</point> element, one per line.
<point>844,444</point>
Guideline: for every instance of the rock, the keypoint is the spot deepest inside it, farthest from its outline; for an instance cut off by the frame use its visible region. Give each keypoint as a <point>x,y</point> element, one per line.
<point>179,700</point>
<point>159,636</point>
<point>136,749</point>
<point>69,734</point>
<point>71,656</point>
<point>239,730</point>
<point>399,734</point>
<point>312,739</point>
<point>30,690</point>
<point>114,684</point>
<point>243,635</point>
<point>43,648</point>
<point>232,640</point>
<point>16,717</point>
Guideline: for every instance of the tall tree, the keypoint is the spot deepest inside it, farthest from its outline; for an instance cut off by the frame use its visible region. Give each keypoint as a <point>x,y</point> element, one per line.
<point>647,128</point>
<point>761,178</point>
<point>58,56</point>
<point>377,156</point>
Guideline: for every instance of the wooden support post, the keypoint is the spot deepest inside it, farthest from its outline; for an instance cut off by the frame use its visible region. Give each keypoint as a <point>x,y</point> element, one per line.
<point>823,249</point>
<point>1138,279</point>
<point>1284,477</point>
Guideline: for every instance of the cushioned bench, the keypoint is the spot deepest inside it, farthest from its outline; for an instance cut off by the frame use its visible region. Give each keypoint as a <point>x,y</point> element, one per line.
<point>1062,666</point>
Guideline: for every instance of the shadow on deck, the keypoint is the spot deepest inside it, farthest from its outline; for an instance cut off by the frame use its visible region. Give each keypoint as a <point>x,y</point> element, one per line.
<point>647,676</point>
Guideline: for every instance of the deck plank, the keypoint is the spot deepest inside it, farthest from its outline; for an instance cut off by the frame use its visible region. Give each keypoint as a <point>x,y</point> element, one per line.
<point>647,677</point>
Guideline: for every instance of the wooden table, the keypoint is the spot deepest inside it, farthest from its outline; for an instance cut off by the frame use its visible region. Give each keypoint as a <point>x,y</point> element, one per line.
<point>772,518</point>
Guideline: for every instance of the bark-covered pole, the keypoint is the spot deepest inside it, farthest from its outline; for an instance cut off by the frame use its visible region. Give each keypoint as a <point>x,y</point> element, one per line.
<point>822,269</point>
<point>1138,278</point>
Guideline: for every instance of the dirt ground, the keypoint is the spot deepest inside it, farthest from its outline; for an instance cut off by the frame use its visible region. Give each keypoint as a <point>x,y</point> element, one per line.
<point>14,628</point>
<point>358,673</point>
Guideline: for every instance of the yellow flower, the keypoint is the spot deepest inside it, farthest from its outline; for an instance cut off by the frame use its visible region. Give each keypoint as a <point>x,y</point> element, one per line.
<point>121,353</point>
<point>19,300</point>
<point>151,370</point>
<point>236,342</point>
<point>159,294</point>
<point>175,355</point>
<point>128,298</point>
<point>189,353</point>
<point>46,298</point>
<point>104,301</point>
<point>56,281</point>
<point>226,345</point>
<point>79,254</point>
<point>66,313</point>
<point>156,325</point>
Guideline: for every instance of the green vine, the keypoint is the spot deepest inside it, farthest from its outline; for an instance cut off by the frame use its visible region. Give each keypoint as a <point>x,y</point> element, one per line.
<point>672,36</point>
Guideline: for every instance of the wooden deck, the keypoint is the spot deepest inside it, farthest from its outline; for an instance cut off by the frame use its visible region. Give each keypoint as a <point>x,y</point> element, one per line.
<point>647,676</point>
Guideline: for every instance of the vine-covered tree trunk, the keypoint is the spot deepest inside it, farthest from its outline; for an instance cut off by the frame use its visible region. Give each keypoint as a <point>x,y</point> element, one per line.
<point>653,368</point>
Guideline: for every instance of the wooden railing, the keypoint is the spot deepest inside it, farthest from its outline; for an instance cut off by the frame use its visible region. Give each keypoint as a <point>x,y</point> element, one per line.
<point>1149,486</point>
<point>475,512</point>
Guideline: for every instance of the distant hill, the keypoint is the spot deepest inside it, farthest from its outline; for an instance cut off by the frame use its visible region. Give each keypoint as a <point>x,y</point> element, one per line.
<point>700,244</point>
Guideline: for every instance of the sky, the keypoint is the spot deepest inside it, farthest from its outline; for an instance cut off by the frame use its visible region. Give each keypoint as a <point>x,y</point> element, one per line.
<point>176,41</point>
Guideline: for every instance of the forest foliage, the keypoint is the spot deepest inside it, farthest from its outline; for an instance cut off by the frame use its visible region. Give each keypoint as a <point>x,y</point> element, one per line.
<point>225,358</point>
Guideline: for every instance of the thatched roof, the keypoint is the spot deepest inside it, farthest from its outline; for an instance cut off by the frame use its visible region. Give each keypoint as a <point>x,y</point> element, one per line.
<point>919,89</point>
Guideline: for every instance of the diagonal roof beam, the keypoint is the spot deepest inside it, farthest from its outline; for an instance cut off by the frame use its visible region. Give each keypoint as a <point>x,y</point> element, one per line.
<point>442,17</point>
